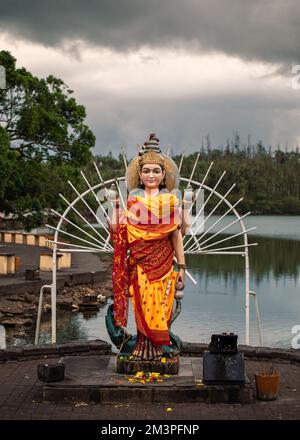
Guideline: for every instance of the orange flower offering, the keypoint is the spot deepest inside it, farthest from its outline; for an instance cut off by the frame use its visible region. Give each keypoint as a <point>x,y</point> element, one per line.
<point>144,377</point>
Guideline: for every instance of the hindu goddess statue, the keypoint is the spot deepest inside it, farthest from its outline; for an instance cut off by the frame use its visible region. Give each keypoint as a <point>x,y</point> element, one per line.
<point>147,235</point>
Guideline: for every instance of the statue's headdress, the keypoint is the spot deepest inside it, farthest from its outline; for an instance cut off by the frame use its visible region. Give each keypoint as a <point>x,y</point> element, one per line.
<point>151,157</point>
<point>151,153</point>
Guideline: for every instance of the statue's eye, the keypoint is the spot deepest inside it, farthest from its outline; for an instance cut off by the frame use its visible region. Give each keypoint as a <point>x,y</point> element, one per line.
<point>148,171</point>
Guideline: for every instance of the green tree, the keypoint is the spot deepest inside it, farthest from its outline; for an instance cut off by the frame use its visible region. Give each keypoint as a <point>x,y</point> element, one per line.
<point>43,141</point>
<point>42,119</point>
<point>7,162</point>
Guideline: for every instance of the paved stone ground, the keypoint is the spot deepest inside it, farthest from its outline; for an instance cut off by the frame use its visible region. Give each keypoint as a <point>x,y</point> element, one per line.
<point>21,398</point>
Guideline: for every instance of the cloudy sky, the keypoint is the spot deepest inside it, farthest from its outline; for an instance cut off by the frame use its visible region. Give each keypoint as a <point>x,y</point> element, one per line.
<point>183,69</point>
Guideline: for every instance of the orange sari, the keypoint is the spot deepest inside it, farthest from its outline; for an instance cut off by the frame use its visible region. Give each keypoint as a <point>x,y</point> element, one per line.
<point>147,274</point>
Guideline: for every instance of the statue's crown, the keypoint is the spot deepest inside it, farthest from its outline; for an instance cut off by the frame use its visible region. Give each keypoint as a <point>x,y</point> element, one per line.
<point>152,143</point>
<point>150,152</point>
<point>151,156</point>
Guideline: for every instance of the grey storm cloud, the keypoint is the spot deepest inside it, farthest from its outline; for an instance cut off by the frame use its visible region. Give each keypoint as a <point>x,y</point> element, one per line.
<point>266,30</point>
<point>186,122</point>
<point>252,30</point>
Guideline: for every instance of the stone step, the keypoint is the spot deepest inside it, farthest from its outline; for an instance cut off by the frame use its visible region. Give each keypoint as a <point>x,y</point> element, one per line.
<point>94,379</point>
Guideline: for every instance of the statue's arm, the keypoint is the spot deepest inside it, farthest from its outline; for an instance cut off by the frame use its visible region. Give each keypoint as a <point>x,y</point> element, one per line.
<point>177,243</point>
<point>185,218</point>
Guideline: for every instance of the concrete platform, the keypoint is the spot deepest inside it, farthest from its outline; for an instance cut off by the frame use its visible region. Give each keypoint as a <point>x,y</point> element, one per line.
<point>94,379</point>
<point>21,392</point>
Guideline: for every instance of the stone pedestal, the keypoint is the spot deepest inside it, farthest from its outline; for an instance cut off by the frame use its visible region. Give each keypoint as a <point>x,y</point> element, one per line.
<point>94,379</point>
<point>128,366</point>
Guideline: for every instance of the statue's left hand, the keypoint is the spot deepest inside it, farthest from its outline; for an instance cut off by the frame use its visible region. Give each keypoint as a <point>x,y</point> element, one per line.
<point>180,279</point>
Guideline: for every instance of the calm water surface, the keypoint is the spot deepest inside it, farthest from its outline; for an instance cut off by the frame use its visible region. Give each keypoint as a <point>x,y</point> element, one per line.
<point>216,303</point>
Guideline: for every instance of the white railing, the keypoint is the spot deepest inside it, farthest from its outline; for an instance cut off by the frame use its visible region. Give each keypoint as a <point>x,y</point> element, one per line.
<point>195,247</point>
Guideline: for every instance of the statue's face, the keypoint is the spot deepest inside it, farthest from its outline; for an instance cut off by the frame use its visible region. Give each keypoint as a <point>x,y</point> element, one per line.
<point>152,175</point>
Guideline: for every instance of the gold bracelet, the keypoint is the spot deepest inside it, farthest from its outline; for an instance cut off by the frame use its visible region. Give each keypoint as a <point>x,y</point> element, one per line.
<point>181,266</point>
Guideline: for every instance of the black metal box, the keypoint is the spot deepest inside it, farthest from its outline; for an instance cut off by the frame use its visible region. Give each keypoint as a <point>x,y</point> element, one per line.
<point>224,343</point>
<point>51,372</point>
<point>223,368</point>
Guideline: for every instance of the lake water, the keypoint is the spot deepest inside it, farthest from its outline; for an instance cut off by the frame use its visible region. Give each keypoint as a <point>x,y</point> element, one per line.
<point>216,303</point>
